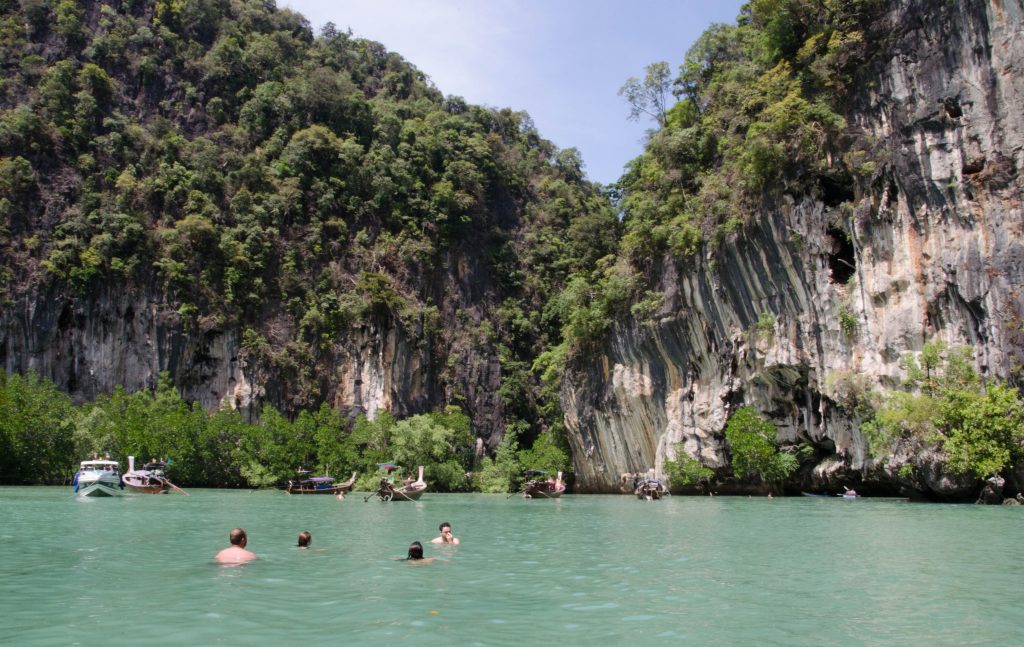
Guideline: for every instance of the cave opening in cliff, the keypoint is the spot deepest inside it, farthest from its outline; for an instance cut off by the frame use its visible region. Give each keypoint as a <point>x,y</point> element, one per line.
<point>835,190</point>
<point>842,259</point>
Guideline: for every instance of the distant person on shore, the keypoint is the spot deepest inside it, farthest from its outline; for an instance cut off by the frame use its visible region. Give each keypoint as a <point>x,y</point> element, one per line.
<point>236,552</point>
<point>416,554</point>
<point>305,539</point>
<point>446,536</point>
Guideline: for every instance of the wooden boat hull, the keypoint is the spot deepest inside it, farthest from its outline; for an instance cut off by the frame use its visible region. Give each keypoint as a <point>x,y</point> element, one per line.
<point>145,483</point>
<point>649,495</point>
<point>408,495</point>
<point>334,489</point>
<point>146,489</point>
<point>543,492</point>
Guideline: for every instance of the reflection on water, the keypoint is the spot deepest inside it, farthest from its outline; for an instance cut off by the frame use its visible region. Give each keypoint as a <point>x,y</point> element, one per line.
<point>578,569</point>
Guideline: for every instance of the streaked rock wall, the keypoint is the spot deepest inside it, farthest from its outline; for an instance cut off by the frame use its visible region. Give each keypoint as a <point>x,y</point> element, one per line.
<point>934,245</point>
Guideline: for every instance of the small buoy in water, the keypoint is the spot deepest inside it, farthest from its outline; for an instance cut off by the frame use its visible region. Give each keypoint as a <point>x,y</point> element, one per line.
<point>433,613</point>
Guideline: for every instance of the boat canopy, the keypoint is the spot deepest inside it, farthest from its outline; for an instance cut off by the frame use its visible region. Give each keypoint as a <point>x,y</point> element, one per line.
<point>319,479</point>
<point>99,464</point>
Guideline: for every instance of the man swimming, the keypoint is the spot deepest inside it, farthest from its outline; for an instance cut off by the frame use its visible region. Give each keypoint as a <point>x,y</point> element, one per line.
<point>236,552</point>
<point>446,535</point>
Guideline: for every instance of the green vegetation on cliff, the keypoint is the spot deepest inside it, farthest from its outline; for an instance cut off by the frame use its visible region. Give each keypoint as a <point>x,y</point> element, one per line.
<point>292,187</point>
<point>944,405</point>
<point>759,114</point>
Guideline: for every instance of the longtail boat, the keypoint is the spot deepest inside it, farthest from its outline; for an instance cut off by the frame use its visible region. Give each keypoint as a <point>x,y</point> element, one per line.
<point>537,487</point>
<point>151,479</point>
<point>318,484</point>
<point>411,491</point>
<point>650,490</point>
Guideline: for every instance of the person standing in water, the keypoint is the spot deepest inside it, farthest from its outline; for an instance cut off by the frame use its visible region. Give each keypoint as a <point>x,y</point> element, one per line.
<point>446,536</point>
<point>305,539</point>
<point>236,552</point>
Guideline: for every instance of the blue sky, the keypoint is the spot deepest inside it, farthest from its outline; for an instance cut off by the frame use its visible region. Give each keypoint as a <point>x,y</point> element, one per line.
<point>562,61</point>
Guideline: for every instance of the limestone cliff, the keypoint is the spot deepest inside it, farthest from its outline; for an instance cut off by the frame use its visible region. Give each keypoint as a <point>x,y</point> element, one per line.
<point>931,248</point>
<point>273,216</point>
<point>88,345</point>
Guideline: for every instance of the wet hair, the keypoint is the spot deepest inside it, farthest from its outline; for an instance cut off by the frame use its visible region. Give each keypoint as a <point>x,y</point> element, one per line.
<point>415,550</point>
<point>444,524</point>
<point>237,537</point>
<point>304,539</point>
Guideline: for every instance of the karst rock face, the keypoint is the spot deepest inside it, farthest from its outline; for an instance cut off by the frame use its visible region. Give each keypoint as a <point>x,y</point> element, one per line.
<point>930,249</point>
<point>117,336</point>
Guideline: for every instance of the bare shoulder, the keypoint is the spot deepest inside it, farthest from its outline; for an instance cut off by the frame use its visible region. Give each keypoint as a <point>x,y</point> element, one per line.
<point>234,555</point>
<point>425,560</point>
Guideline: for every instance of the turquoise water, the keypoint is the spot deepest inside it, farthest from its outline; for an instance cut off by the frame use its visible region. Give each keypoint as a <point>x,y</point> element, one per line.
<point>581,570</point>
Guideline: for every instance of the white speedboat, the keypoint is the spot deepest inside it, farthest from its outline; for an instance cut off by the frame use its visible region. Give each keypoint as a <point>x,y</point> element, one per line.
<point>98,478</point>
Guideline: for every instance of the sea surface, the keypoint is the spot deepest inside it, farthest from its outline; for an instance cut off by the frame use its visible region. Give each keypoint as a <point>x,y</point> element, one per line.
<point>582,570</point>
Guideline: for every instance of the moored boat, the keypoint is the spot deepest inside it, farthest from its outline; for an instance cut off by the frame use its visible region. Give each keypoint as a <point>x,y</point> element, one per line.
<point>650,490</point>
<point>98,478</point>
<point>151,479</point>
<point>318,484</point>
<point>410,491</point>
<point>537,487</point>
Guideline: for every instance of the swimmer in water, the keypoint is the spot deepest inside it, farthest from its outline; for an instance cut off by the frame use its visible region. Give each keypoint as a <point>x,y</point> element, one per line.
<point>416,554</point>
<point>236,552</point>
<point>446,536</point>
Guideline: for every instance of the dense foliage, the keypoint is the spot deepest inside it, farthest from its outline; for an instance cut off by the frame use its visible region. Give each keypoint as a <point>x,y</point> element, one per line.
<point>944,405</point>
<point>752,449</point>
<point>288,186</point>
<point>754,112</point>
<point>43,436</point>
<point>686,470</point>
<point>759,113</point>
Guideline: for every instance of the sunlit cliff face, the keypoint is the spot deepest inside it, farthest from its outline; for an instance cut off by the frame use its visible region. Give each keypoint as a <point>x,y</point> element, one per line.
<point>930,248</point>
